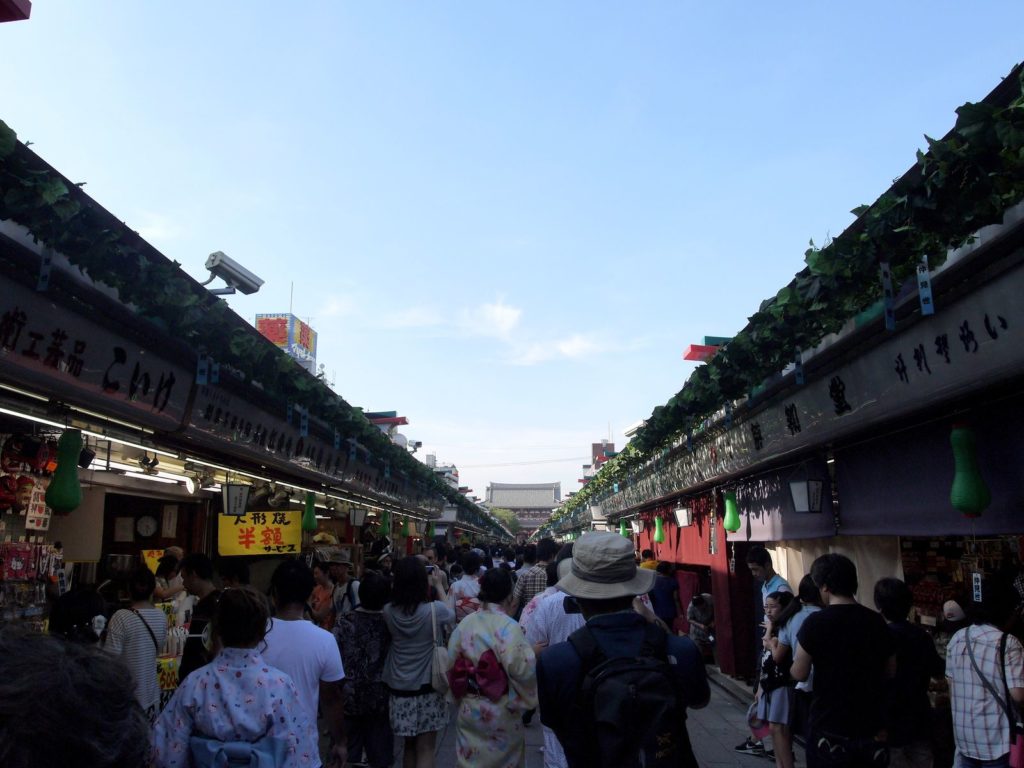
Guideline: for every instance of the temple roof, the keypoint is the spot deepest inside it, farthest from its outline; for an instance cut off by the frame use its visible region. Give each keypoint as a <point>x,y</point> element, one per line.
<point>524,496</point>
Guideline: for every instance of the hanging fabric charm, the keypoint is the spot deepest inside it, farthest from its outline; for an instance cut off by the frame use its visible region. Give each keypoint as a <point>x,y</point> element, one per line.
<point>731,523</point>
<point>969,494</point>
<point>309,513</point>
<point>45,265</point>
<point>64,493</point>
<point>924,288</point>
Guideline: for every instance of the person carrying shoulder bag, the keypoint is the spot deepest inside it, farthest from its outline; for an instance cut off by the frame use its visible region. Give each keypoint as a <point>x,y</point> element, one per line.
<point>986,670</point>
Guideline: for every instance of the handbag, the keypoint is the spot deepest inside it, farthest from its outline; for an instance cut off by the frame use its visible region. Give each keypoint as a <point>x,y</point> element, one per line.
<point>1016,729</point>
<point>439,660</point>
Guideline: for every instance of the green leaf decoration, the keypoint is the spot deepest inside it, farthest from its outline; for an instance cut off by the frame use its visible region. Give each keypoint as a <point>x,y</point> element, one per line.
<point>8,140</point>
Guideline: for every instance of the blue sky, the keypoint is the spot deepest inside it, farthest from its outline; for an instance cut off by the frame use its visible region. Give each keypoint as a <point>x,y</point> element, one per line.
<point>505,220</point>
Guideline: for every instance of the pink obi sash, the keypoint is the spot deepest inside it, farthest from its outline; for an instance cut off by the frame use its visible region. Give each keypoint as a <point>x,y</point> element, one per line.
<point>487,678</point>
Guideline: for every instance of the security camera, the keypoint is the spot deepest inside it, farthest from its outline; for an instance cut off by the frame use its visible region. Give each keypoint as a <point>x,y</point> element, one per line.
<point>232,273</point>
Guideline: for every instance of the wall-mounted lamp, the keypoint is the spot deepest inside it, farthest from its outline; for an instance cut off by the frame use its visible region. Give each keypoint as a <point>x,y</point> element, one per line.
<point>684,516</point>
<point>148,465</point>
<point>235,496</point>
<point>280,496</point>
<point>637,525</point>
<point>85,458</point>
<point>806,495</point>
<point>357,516</point>
<point>260,494</point>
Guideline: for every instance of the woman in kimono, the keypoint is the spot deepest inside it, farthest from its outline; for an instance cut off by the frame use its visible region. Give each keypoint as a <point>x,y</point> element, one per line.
<point>493,680</point>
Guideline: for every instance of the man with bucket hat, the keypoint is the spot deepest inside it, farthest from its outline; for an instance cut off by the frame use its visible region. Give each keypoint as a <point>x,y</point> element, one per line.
<point>616,692</point>
<point>345,595</point>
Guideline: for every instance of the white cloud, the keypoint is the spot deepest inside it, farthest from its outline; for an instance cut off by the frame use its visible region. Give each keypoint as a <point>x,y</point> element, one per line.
<point>574,347</point>
<point>410,317</point>
<point>338,306</point>
<point>577,345</point>
<point>498,319</point>
<point>155,227</point>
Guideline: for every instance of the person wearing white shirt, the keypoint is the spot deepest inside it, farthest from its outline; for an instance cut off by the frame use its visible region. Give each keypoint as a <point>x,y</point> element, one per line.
<point>307,653</point>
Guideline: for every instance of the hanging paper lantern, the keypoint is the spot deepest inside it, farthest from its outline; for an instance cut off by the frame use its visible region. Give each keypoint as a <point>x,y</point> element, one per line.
<point>969,493</point>
<point>659,531</point>
<point>65,492</point>
<point>732,512</point>
<point>405,527</point>
<point>309,513</point>
<point>385,523</point>
<point>622,527</point>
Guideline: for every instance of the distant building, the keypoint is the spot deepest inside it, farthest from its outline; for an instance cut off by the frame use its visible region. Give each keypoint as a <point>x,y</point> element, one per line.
<point>447,472</point>
<point>532,503</point>
<point>599,454</point>
<point>292,335</point>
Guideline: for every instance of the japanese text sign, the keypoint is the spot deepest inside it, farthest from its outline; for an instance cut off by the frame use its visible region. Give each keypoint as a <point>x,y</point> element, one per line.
<point>260,533</point>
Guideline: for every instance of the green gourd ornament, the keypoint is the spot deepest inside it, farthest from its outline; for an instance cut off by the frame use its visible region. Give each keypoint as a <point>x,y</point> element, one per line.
<point>385,524</point>
<point>969,494</point>
<point>732,512</point>
<point>405,527</point>
<point>430,531</point>
<point>65,492</point>
<point>309,513</point>
<point>659,531</point>
<point>622,528</point>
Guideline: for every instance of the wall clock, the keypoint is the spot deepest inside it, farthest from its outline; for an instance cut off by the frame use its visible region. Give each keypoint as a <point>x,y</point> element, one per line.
<point>146,525</point>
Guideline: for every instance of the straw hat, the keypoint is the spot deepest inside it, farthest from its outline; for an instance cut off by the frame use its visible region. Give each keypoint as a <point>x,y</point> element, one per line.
<point>603,568</point>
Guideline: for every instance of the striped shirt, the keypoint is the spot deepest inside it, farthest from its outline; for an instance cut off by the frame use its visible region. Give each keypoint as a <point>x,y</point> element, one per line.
<point>129,640</point>
<point>980,726</point>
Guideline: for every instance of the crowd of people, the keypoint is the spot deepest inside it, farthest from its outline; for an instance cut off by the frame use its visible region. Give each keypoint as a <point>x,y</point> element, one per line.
<point>326,658</point>
<point>853,682</point>
<point>329,667</point>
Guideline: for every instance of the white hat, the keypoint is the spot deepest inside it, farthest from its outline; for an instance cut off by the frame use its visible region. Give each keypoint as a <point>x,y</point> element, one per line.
<point>603,568</point>
<point>951,611</point>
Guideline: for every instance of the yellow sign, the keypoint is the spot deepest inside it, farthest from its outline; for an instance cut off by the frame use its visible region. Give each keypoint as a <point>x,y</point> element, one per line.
<point>152,558</point>
<point>167,672</point>
<point>260,533</point>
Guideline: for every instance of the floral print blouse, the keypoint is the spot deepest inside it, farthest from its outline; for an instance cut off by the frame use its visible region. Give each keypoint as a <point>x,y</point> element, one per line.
<point>236,697</point>
<point>364,641</point>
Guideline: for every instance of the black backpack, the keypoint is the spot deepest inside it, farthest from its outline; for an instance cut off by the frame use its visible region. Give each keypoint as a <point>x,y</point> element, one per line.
<point>630,710</point>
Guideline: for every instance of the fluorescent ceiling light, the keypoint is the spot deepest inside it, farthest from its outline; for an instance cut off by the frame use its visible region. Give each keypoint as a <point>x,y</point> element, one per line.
<point>151,478</point>
<point>24,392</point>
<point>36,419</point>
<point>222,468</point>
<point>119,441</point>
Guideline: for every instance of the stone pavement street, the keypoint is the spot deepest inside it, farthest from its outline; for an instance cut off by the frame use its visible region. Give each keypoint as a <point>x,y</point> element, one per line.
<point>714,731</point>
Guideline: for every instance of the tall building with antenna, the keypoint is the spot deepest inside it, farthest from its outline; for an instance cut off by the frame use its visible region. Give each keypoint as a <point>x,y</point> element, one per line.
<point>294,337</point>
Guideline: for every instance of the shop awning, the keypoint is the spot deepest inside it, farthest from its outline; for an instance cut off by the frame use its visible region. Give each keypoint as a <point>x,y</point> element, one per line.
<point>900,483</point>
<point>767,512</point>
